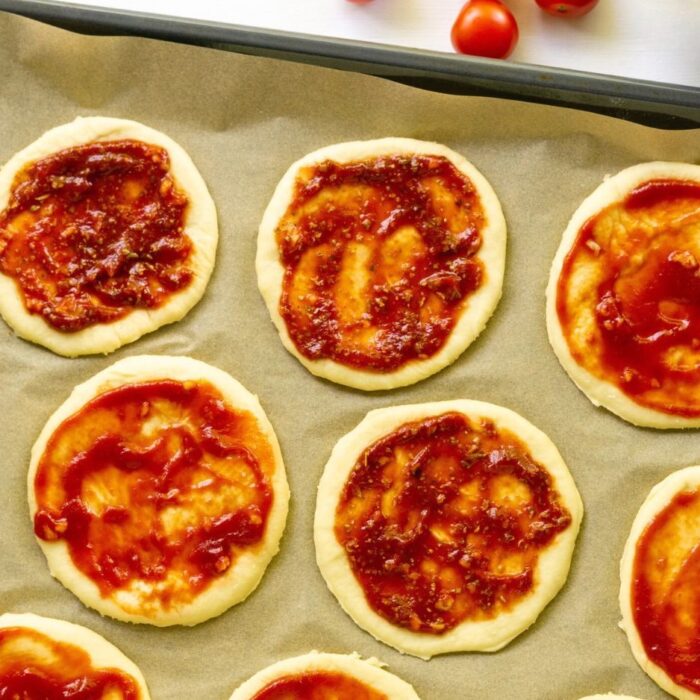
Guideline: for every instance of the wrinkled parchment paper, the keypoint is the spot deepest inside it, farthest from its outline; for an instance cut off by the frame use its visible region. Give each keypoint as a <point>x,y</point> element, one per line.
<point>244,120</point>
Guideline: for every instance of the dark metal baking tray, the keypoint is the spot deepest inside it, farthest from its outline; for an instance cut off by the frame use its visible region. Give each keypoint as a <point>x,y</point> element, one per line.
<point>657,104</point>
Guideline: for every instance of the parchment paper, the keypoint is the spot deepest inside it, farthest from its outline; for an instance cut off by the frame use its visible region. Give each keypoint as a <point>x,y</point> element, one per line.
<point>244,120</point>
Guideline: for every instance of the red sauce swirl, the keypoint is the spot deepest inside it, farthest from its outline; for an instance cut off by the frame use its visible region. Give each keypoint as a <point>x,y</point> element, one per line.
<point>443,521</point>
<point>380,259</point>
<point>666,590</point>
<point>643,289</point>
<point>161,483</point>
<point>36,667</point>
<point>318,685</point>
<point>95,231</point>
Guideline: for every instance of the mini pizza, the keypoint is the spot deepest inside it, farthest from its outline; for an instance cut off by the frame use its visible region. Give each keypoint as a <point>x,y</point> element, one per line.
<point>46,659</point>
<point>609,696</point>
<point>623,301</point>
<point>660,584</point>
<point>446,526</point>
<point>318,676</point>
<point>107,232</point>
<point>381,261</point>
<point>157,491</point>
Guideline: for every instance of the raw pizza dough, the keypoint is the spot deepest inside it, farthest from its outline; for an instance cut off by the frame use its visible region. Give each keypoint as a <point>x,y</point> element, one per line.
<point>102,653</point>
<point>609,696</point>
<point>479,304</point>
<point>200,226</point>
<point>660,496</point>
<point>598,390</point>
<point>244,575</point>
<point>368,671</point>
<point>483,635</point>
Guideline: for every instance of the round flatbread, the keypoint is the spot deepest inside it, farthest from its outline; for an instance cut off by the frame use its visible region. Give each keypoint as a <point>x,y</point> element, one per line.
<point>315,676</point>
<point>623,300</point>
<point>381,261</point>
<point>660,584</point>
<point>158,492</point>
<point>446,526</point>
<point>609,696</point>
<point>107,232</point>
<point>41,657</point>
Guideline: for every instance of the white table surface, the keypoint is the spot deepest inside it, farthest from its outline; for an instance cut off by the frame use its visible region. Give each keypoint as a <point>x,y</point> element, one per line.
<point>648,39</point>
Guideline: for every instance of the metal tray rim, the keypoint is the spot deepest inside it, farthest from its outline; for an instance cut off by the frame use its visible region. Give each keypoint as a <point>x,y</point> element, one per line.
<point>615,91</point>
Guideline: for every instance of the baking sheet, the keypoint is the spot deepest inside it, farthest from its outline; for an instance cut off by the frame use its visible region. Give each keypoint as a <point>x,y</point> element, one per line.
<point>244,120</point>
<point>665,105</point>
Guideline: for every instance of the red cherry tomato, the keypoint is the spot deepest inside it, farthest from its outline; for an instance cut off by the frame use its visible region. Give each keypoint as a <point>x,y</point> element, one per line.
<point>485,28</point>
<point>567,8</point>
<point>360,2</point>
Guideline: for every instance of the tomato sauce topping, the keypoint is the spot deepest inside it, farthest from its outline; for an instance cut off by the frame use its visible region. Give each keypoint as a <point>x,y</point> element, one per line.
<point>666,590</point>
<point>443,521</point>
<point>380,259</point>
<point>95,231</point>
<point>318,685</point>
<point>155,488</point>
<point>36,667</point>
<point>628,297</point>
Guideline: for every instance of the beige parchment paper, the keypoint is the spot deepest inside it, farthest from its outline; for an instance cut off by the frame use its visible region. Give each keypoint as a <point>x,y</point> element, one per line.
<point>244,120</point>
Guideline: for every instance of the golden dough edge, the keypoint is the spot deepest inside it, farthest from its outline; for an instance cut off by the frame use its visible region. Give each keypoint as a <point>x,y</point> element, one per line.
<point>601,392</point>
<point>102,653</point>
<point>658,498</point>
<point>243,578</point>
<point>369,671</point>
<point>489,635</point>
<point>200,225</point>
<point>471,322</point>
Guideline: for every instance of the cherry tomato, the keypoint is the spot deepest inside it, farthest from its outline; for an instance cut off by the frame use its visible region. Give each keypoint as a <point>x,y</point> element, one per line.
<point>360,2</point>
<point>568,8</point>
<point>485,28</point>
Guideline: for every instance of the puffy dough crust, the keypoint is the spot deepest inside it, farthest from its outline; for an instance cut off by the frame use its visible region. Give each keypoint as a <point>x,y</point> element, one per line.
<point>609,696</point>
<point>241,579</point>
<point>659,497</point>
<point>200,225</point>
<point>485,635</point>
<point>103,654</point>
<point>600,392</point>
<point>368,671</point>
<point>481,304</point>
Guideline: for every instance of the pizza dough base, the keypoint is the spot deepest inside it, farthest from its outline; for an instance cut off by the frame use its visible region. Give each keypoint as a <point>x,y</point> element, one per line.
<point>245,575</point>
<point>659,497</point>
<point>368,671</point>
<point>200,225</point>
<point>599,391</point>
<point>103,654</point>
<point>609,696</point>
<point>480,305</point>
<point>483,635</point>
